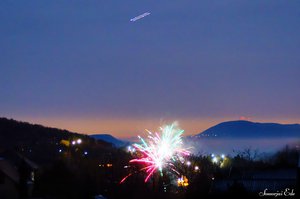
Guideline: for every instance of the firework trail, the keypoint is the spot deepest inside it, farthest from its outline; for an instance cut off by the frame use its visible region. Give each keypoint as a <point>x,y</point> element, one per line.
<point>160,151</point>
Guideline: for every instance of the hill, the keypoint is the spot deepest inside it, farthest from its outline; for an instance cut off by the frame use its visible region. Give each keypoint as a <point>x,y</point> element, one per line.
<point>44,143</point>
<point>247,129</point>
<point>110,139</point>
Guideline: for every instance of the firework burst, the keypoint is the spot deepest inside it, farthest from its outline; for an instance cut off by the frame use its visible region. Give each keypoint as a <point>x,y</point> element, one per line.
<point>160,151</point>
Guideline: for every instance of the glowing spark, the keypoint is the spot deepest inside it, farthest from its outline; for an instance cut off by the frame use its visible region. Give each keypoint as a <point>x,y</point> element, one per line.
<point>160,151</point>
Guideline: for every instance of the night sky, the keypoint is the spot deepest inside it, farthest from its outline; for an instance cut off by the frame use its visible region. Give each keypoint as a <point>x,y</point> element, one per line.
<point>82,65</point>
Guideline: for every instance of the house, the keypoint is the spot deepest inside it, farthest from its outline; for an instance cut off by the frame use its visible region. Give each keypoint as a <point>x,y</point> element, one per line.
<point>9,180</point>
<point>27,171</point>
<point>17,176</point>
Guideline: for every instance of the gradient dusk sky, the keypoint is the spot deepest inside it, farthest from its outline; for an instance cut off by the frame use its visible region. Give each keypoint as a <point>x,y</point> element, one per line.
<point>83,66</point>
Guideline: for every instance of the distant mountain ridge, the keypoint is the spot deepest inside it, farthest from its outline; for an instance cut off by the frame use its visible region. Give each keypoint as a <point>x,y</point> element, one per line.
<point>247,129</point>
<point>110,139</point>
<point>44,145</point>
<point>17,133</point>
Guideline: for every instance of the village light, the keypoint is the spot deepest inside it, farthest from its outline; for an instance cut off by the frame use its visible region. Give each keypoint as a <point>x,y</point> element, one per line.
<point>215,160</point>
<point>188,163</point>
<point>183,181</point>
<point>79,141</point>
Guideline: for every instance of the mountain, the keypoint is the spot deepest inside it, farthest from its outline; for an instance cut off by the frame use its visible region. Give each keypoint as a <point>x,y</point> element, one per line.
<point>34,141</point>
<point>110,139</point>
<point>247,129</point>
<point>20,132</point>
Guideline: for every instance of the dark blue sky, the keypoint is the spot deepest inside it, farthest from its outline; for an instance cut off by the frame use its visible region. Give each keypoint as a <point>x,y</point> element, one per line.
<point>188,59</point>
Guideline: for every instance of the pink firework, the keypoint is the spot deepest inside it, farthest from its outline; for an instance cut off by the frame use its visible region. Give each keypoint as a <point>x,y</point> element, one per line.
<point>160,151</point>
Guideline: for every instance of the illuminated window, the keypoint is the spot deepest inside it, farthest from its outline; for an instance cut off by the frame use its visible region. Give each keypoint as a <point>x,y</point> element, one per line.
<point>32,176</point>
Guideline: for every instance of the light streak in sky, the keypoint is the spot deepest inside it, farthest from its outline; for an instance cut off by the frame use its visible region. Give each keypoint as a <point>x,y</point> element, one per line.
<point>140,16</point>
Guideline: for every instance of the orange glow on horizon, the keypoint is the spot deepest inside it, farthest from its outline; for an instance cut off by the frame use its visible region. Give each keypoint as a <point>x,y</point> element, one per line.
<point>131,127</point>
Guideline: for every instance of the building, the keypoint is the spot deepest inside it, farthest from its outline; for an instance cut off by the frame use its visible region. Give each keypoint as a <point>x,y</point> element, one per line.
<point>9,180</point>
